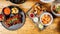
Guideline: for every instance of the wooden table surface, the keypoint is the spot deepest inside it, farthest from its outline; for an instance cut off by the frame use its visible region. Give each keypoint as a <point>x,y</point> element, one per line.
<point>29,27</point>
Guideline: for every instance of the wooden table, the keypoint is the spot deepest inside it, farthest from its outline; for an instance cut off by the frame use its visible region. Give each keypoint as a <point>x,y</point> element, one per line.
<point>29,27</point>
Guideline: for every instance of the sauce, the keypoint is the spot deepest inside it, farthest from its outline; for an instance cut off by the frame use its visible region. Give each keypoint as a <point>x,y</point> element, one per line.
<point>6,11</point>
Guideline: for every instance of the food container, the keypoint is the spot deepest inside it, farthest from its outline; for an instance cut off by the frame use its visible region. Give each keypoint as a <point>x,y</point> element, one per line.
<point>13,20</point>
<point>46,18</point>
<point>35,11</point>
<point>55,8</point>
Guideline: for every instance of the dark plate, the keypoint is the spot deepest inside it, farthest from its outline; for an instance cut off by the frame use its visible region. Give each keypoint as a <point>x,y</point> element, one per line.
<point>17,26</point>
<point>17,1</point>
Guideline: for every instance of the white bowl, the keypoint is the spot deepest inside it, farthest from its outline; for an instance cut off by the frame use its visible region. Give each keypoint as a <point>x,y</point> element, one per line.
<point>47,1</point>
<point>53,11</point>
<point>49,15</point>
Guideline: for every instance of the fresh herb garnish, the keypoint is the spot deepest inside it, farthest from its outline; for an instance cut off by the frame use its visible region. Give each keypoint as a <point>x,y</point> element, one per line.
<point>11,21</point>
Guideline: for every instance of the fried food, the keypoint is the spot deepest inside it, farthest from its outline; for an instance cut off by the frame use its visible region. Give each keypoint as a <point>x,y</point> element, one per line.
<point>14,10</point>
<point>46,19</point>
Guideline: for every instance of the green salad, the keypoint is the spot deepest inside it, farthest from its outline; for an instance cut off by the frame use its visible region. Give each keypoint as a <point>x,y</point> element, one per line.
<point>58,8</point>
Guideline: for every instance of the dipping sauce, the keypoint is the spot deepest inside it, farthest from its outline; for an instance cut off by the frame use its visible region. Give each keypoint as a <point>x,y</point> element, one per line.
<point>31,15</point>
<point>6,11</point>
<point>35,19</point>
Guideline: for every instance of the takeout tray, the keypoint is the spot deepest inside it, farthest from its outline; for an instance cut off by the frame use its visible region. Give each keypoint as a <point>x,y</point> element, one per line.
<point>31,9</point>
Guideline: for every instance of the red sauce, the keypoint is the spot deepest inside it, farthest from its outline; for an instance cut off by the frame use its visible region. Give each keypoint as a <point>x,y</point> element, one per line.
<point>31,15</point>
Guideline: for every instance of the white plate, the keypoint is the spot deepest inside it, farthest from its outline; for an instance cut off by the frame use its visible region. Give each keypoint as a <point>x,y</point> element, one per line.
<point>46,1</point>
<point>56,4</point>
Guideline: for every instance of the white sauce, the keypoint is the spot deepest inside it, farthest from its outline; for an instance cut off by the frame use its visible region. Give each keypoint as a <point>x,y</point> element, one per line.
<point>35,19</point>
